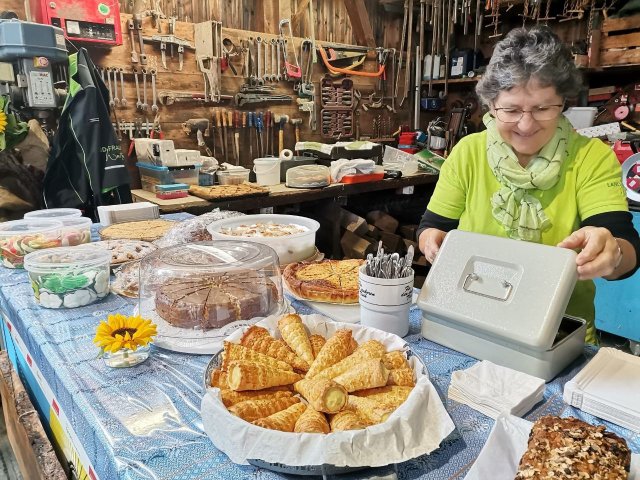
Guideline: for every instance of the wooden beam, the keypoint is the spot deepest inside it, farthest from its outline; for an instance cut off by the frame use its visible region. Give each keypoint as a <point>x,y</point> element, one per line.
<point>268,16</point>
<point>360,23</point>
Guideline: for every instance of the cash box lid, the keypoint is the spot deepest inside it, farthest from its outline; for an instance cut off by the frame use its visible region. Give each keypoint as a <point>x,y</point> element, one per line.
<point>513,291</point>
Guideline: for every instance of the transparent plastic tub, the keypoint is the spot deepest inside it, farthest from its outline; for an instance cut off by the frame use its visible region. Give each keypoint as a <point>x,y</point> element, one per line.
<point>53,213</point>
<point>68,277</point>
<point>233,177</point>
<point>198,293</point>
<point>20,237</point>
<point>292,237</point>
<point>75,231</point>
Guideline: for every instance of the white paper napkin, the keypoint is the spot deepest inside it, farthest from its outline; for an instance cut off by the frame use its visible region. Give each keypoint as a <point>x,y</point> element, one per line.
<point>492,389</point>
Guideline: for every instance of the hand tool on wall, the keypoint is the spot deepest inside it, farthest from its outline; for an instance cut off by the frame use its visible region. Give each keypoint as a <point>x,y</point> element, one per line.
<point>134,53</point>
<point>250,122</point>
<point>405,20</point>
<point>281,121</point>
<point>123,100</point>
<point>154,105</point>
<point>223,115</point>
<point>259,128</point>
<point>244,126</point>
<point>296,122</point>
<point>138,101</point>
<point>407,71</point>
<point>172,40</point>
<point>267,126</point>
<point>292,71</point>
<point>229,131</point>
<point>144,105</point>
<point>236,136</point>
<point>219,131</point>
<point>115,87</point>
<point>112,102</point>
<point>137,24</point>
<point>347,71</point>
<point>208,43</point>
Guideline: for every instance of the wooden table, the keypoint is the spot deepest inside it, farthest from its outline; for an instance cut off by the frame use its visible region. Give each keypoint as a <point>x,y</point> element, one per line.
<point>280,195</point>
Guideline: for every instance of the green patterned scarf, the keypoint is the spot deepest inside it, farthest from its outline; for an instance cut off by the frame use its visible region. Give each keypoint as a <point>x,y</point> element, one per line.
<point>520,213</point>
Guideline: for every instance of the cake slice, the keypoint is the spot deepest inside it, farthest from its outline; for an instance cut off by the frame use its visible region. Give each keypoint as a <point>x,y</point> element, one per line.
<point>569,448</point>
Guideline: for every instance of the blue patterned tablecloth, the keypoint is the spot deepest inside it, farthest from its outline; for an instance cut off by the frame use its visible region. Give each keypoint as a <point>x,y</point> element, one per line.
<point>144,422</point>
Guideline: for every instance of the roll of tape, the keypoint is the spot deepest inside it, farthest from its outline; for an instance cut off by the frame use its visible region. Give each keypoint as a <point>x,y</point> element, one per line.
<point>286,154</point>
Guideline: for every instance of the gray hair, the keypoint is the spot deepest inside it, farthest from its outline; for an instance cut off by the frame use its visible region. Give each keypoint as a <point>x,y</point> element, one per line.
<point>525,54</point>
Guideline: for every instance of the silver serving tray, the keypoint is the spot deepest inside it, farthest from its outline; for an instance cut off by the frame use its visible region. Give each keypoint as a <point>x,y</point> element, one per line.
<point>307,470</point>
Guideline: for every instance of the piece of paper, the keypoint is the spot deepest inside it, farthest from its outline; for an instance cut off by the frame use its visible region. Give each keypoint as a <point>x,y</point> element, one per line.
<point>506,444</point>
<point>416,428</point>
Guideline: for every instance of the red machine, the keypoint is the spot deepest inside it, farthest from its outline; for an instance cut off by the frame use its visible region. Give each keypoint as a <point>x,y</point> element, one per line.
<point>91,21</point>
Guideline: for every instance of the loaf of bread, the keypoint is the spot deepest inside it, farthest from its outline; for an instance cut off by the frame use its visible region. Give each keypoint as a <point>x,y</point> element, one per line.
<point>569,448</point>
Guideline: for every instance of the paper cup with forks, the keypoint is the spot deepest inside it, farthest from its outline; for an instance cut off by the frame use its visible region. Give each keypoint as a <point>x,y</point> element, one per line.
<point>385,302</point>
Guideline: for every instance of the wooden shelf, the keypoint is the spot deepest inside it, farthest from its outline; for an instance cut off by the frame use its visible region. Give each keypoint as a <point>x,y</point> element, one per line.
<point>441,81</point>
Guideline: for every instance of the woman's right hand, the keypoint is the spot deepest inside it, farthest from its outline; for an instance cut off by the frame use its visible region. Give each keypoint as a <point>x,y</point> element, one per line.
<point>430,241</point>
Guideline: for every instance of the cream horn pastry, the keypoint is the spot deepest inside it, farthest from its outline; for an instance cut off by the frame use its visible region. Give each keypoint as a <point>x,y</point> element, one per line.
<point>368,350</point>
<point>259,339</point>
<point>367,374</point>
<point>219,379</point>
<point>402,377</point>
<point>295,335</point>
<point>371,411</point>
<point>346,420</point>
<point>245,375</point>
<point>251,410</point>
<point>284,420</point>
<point>339,346</point>
<point>322,394</point>
<point>231,397</point>
<point>395,360</point>
<point>233,351</point>
<point>317,342</point>
<point>312,421</point>
<point>390,395</point>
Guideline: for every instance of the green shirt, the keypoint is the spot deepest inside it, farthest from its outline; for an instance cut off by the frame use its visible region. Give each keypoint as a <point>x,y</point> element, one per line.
<point>590,183</point>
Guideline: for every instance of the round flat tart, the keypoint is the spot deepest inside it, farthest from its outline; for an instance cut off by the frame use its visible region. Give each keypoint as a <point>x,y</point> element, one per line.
<point>330,281</point>
<point>147,230</point>
<point>123,251</point>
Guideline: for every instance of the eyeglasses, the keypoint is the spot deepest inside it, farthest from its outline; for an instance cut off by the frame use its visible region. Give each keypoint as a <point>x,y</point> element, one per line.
<point>540,114</point>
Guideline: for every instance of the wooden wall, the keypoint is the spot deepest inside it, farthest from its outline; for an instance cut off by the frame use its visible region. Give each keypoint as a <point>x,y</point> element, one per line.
<point>332,23</point>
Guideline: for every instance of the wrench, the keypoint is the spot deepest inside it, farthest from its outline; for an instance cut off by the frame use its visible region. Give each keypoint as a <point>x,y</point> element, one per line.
<point>144,105</point>
<point>138,26</point>
<point>138,102</point>
<point>278,47</point>
<point>123,100</point>
<point>259,51</point>
<point>154,106</point>
<point>267,59</point>
<point>111,100</point>
<point>274,75</point>
<point>115,87</point>
<point>134,54</point>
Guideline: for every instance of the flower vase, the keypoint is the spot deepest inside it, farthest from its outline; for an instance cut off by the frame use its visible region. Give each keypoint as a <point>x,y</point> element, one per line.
<point>126,357</point>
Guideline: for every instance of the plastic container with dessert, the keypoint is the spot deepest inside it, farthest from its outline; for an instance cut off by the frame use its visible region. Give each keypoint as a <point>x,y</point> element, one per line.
<point>20,237</point>
<point>198,293</point>
<point>292,237</point>
<point>53,213</point>
<point>233,177</point>
<point>75,230</point>
<point>69,277</point>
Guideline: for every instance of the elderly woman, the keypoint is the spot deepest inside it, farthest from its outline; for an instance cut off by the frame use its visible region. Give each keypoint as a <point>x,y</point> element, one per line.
<point>530,176</point>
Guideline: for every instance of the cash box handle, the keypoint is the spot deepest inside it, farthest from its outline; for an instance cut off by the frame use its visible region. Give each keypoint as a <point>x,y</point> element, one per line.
<point>471,277</point>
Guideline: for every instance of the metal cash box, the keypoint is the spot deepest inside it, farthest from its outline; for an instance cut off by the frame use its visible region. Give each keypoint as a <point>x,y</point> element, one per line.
<point>503,300</point>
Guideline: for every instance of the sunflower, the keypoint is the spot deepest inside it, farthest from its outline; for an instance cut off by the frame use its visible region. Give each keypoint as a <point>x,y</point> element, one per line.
<point>3,121</point>
<point>120,331</point>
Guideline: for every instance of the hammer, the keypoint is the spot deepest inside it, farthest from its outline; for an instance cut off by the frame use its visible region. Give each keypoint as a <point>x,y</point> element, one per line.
<point>296,122</point>
<point>197,126</point>
<point>281,120</point>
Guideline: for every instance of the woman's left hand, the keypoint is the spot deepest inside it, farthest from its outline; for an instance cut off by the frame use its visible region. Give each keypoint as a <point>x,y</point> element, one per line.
<point>599,255</point>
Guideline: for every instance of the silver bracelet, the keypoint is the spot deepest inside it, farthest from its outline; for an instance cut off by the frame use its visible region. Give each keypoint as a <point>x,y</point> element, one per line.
<point>620,252</point>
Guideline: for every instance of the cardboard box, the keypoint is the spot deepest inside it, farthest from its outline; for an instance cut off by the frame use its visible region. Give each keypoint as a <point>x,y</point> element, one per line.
<point>383,221</point>
<point>408,231</point>
<point>373,232</point>
<point>392,242</point>
<point>354,246</point>
<point>353,223</point>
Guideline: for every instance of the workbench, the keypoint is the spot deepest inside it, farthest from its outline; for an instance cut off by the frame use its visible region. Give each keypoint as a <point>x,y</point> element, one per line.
<point>280,195</point>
